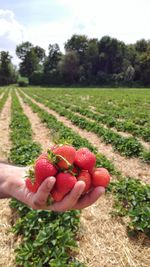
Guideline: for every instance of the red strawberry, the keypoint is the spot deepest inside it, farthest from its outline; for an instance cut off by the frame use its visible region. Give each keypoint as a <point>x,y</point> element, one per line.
<point>32,187</point>
<point>42,156</point>
<point>100,177</point>
<point>43,169</point>
<point>56,195</point>
<point>85,177</point>
<point>65,155</point>
<point>65,182</point>
<point>75,171</point>
<point>85,159</point>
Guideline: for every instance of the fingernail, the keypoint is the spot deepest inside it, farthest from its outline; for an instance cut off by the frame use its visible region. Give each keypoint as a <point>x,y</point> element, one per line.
<point>52,181</point>
<point>81,189</point>
<point>101,189</point>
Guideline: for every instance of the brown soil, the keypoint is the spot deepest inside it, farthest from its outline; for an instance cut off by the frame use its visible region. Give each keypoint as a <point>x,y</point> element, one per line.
<point>41,134</point>
<point>6,238</point>
<point>132,167</point>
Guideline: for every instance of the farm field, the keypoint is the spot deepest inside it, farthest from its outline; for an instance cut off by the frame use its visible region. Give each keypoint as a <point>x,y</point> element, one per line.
<point>114,124</point>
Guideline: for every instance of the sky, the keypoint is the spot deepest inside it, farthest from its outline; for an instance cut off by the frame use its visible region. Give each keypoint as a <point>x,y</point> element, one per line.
<point>44,22</point>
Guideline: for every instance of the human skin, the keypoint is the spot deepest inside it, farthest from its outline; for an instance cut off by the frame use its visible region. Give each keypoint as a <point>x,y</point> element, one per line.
<point>12,185</point>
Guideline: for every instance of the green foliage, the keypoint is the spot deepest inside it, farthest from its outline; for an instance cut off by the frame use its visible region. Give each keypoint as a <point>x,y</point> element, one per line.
<point>23,82</point>
<point>146,156</point>
<point>8,73</point>
<point>31,58</point>
<point>48,236</point>
<point>132,199</point>
<point>3,100</point>
<point>36,78</point>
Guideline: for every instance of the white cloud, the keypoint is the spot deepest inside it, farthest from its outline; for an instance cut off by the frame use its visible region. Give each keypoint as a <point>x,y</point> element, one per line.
<point>127,20</point>
<point>11,32</point>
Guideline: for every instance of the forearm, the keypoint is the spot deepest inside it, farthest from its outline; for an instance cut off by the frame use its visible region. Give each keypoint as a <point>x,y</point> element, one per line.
<point>9,179</point>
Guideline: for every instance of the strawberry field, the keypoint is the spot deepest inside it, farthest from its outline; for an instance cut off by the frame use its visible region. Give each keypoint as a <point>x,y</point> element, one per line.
<point>115,125</point>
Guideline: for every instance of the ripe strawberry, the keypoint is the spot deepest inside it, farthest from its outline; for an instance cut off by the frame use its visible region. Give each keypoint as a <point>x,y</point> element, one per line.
<point>85,159</point>
<point>85,177</point>
<point>65,182</point>
<point>100,177</point>
<point>42,156</point>
<point>65,155</point>
<point>32,187</point>
<point>43,169</point>
<point>56,195</point>
<point>75,171</point>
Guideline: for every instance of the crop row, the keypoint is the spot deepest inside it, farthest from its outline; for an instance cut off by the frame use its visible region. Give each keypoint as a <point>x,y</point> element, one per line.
<point>3,100</point>
<point>106,116</point>
<point>126,146</point>
<point>126,126</point>
<point>47,236</point>
<point>132,107</point>
<point>122,189</point>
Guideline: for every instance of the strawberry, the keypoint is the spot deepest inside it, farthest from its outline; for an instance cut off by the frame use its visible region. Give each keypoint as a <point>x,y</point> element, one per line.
<point>56,195</point>
<point>85,159</point>
<point>85,177</point>
<point>65,155</point>
<point>65,182</point>
<point>32,187</point>
<point>100,177</point>
<point>42,156</point>
<point>43,169</point>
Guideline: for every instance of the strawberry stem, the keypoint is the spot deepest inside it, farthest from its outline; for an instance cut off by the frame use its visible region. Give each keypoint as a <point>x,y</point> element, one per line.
<point>62,158</point>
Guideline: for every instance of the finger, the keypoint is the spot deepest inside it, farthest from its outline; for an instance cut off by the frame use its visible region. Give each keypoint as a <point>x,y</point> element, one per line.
<point>41,196</point>
<point>89,198</point>
<point>70,199</point>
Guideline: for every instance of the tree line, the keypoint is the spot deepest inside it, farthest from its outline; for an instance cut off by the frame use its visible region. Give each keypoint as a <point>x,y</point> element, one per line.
<point>85,62</point>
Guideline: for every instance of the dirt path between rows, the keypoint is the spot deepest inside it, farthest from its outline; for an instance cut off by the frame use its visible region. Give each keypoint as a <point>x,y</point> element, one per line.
<point>146,145</point>
<point>132,167</point>
<point>6,238</point>
<point>41,134</point>
<point>102,240</point>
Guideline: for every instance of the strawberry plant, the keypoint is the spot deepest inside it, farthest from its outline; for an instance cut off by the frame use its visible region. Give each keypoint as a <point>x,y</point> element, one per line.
<point>3,100</point>
<point>127,146</point>
<point>132,199</point>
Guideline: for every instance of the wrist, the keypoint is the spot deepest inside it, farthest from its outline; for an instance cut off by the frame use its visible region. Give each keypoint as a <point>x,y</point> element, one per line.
<point>10,180</point>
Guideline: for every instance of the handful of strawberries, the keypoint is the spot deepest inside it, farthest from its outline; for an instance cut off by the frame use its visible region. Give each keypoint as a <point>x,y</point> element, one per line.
<point>68,166</point>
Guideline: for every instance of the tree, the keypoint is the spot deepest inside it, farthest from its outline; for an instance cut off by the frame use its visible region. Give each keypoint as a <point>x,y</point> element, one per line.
<point>144,65</point>
<point>53,58</point>
<point>78,44</point>
<point>8,73</point>
<point>68,67</point>
<point>141,46</point>
<point>31,58</point>
<point>112,53</point>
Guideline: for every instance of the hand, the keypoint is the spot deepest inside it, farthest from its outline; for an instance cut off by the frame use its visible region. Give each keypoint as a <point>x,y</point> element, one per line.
<point>16,187</point>
<point>73,200</point>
